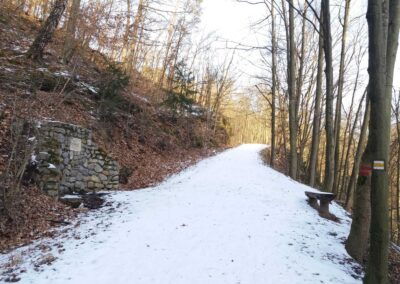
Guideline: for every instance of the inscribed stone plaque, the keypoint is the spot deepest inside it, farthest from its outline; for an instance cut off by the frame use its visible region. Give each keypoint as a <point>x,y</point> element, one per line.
<point>75,145</point>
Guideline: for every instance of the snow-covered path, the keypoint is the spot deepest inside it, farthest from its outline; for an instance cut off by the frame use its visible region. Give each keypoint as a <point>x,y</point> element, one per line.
<point>229,219</point>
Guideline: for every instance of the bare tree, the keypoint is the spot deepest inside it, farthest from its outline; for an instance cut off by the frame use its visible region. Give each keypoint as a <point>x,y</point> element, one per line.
<point>338,113</point>
<point>69,43</point>
<point>383,25</point>
<point>317,111</point>
<point>46,32</point>
<point>274,83</point>
<point>330,138</point>
<point>292,94</point>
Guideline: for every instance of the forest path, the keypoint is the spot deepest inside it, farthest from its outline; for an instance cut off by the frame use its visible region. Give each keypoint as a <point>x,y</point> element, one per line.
<point>228,219</point>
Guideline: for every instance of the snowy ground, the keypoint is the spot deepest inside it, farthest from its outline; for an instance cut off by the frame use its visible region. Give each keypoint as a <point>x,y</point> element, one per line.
<point>229,219</point>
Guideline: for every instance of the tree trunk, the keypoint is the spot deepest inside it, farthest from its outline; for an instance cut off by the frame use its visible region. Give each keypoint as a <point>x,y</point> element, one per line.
<point>292,95</point>
<point>359,150</point>
<point>357,158</point>
<point>330,142</point>
<point>46,33</point>
<point>170,38</point>
<point>134,44</point>
<point>317,113</point>
<point>126,40</point>
<point>69,43</point>
<point>383,43</point>
<point>344,185</point>
<point>340,95</point>
<point>397,113</point>
<point>273,70</point>
<point>383,40</point>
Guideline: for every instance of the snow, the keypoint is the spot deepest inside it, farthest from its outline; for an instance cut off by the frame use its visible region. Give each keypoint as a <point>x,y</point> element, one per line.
<point>397,248</point>
<point>19,49</point>
<point>63,73</point>
<point>33,160</point>
<point>228,219</point>
<point>51,166</point>
<point>8,69</point>
<point>70,196</point>
<point>89,87</point>
<point>144,99</point>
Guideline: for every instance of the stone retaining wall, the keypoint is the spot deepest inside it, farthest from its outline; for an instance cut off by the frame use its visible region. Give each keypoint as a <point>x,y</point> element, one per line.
<point>69,161</point>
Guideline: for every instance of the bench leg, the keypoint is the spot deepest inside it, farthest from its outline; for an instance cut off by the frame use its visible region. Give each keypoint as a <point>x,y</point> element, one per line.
<point>324,208</point>
<point>313,203</point>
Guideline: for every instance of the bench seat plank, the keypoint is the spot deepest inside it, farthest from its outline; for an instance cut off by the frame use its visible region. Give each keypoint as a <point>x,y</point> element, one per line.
<point>321,196</point>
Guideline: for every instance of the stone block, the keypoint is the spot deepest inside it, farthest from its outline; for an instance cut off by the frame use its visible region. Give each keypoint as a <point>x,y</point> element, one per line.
<point>114,173</point>
<point>94,179</point>
<point>98,168</point>
<point>79,185</point>
<point>66,185</point>
<point>98,185</point>
<point>60,130</point>
<point>102,177</point>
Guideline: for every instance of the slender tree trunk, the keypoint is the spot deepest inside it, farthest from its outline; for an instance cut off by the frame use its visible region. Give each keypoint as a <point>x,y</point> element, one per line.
<point>340,95</point>
<point>134,43</point>
<point>282,112</point>
<point>171,33</point>
<point>69,43</point>
<point>273,70</point>
<point>330,139</point>
<point>357,158</point>
<point>317,113</point>
<point>45,35</point>
<point>397,113</point>
<point>344,186</point>
<point>126,41</point>
<point>299,81</point>
<point>349,146</point>
<point>292,95</point>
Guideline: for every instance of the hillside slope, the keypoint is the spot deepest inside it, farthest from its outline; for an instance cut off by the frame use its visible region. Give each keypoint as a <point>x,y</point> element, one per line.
<point>132,123</point>
<point>229,219</point>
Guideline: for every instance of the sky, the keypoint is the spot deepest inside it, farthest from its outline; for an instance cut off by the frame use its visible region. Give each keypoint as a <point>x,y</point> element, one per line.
<point>231,20</point>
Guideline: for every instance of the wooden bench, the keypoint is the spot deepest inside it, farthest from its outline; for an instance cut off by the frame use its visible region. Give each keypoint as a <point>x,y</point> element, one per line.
<point>324,200</point>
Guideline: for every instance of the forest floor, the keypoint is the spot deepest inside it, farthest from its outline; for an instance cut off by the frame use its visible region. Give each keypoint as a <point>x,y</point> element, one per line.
<point>228,219</point>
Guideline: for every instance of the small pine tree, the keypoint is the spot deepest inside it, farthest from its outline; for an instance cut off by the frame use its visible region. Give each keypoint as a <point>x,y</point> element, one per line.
<point>180,97</point>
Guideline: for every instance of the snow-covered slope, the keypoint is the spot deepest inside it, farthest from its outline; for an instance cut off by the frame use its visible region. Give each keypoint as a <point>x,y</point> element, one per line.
<point>229,219</point>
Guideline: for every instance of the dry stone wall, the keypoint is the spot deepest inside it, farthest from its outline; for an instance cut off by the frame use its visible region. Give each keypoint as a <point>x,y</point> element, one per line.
<point>70,162</point>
